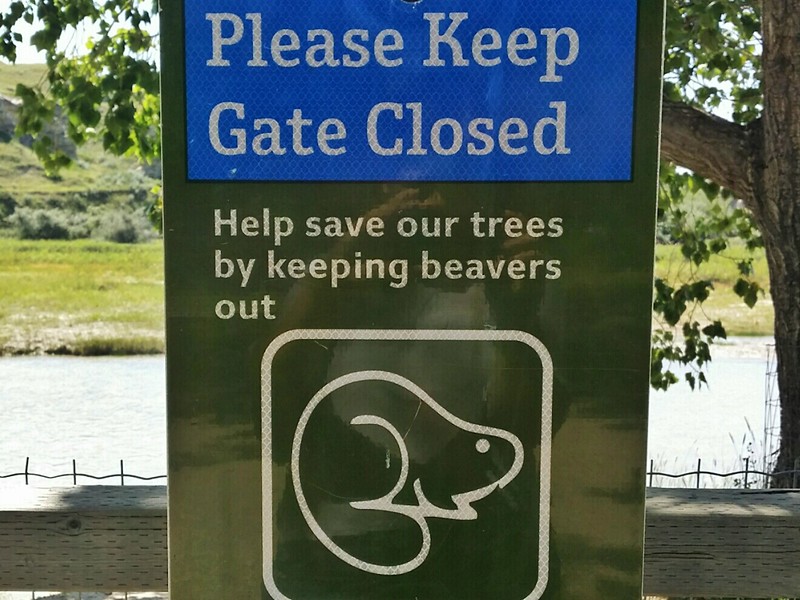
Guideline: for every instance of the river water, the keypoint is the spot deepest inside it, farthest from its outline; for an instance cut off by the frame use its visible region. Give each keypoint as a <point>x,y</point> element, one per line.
<point>99,411</point>
<point>96,411</point>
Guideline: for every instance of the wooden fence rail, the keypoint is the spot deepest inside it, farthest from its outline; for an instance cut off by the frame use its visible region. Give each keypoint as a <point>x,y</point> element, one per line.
<point>712,543</point>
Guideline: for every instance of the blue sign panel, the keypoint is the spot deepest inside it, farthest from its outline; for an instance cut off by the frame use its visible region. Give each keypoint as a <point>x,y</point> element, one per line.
<point>430,90</point>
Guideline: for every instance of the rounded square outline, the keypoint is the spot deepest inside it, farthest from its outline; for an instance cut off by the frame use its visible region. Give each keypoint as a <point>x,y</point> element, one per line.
<point>407,335</point>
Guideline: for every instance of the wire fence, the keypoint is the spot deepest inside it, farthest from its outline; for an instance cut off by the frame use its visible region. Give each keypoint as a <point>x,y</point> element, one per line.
<point>698,477</point>
<point>27,474</point>
<point>747,478</point>
<point>83,596</point>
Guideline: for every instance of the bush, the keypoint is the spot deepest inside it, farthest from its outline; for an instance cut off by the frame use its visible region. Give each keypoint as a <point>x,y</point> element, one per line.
<point>48,224</point>
<point>123,227</point>
<point>7,206</point>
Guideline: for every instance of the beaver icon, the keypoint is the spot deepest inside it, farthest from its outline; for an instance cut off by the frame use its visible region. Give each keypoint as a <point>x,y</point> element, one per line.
<point>421,432</point>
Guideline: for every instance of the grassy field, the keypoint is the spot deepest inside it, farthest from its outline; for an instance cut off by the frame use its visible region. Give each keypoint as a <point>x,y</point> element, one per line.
<point>81,297</point>
<point>88,297</point>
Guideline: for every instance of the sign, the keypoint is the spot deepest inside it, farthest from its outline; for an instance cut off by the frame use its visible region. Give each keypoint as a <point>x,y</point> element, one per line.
<point>399,90</point>
<point>409,274</point>
<point>428,474</point>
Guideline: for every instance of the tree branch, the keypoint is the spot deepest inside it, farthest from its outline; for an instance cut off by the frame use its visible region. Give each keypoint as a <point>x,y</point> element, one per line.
<point>710,146</point>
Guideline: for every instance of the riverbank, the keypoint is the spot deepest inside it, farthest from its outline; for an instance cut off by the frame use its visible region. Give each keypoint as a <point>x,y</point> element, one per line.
<point>81,297</point>
<point>92,298</point>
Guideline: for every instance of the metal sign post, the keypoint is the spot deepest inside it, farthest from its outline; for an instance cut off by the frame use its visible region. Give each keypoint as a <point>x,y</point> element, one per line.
<point>409,269</point>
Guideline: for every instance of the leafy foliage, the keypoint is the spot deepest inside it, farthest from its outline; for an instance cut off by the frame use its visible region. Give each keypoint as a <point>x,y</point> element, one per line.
<point>704,221</point>
<point>712,61</point>
<point>712,57</point>
<point>108,88</point>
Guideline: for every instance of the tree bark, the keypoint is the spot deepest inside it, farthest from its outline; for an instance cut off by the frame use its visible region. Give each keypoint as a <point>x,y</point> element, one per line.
<point>760,164</point>
<point>710,146</point>
<point>778,197</point>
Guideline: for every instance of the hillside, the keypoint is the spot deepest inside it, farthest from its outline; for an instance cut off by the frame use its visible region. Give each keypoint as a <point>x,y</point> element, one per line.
<point>95,187</point>
<point>11,75</point>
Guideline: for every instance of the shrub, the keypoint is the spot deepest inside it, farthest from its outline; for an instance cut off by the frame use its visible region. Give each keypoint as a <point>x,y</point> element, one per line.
<point>7,206</point>
<point>48,224</point>
<point>123,227</point>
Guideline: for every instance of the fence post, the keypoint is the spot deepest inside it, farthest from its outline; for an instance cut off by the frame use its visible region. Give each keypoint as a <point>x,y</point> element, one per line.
<point>698,473</point>
<point>796,474</point>
<point>746,471</point>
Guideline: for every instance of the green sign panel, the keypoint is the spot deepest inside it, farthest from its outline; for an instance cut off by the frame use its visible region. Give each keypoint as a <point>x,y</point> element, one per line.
<point>409,270</point>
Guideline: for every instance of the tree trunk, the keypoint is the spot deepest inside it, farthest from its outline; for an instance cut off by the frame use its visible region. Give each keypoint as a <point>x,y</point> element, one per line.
<point>784,266</point>
<point>760,163</point>
<point>777,186</point>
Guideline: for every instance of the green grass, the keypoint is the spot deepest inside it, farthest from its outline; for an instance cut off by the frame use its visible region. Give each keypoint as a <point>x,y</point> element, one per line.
<point>723,304</point>
<point>81,297</point>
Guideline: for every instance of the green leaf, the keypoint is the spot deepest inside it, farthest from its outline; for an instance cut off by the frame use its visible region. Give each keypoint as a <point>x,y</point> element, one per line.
<point>747,291</point>
<point>690,379</point>
<point>715,330</point>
